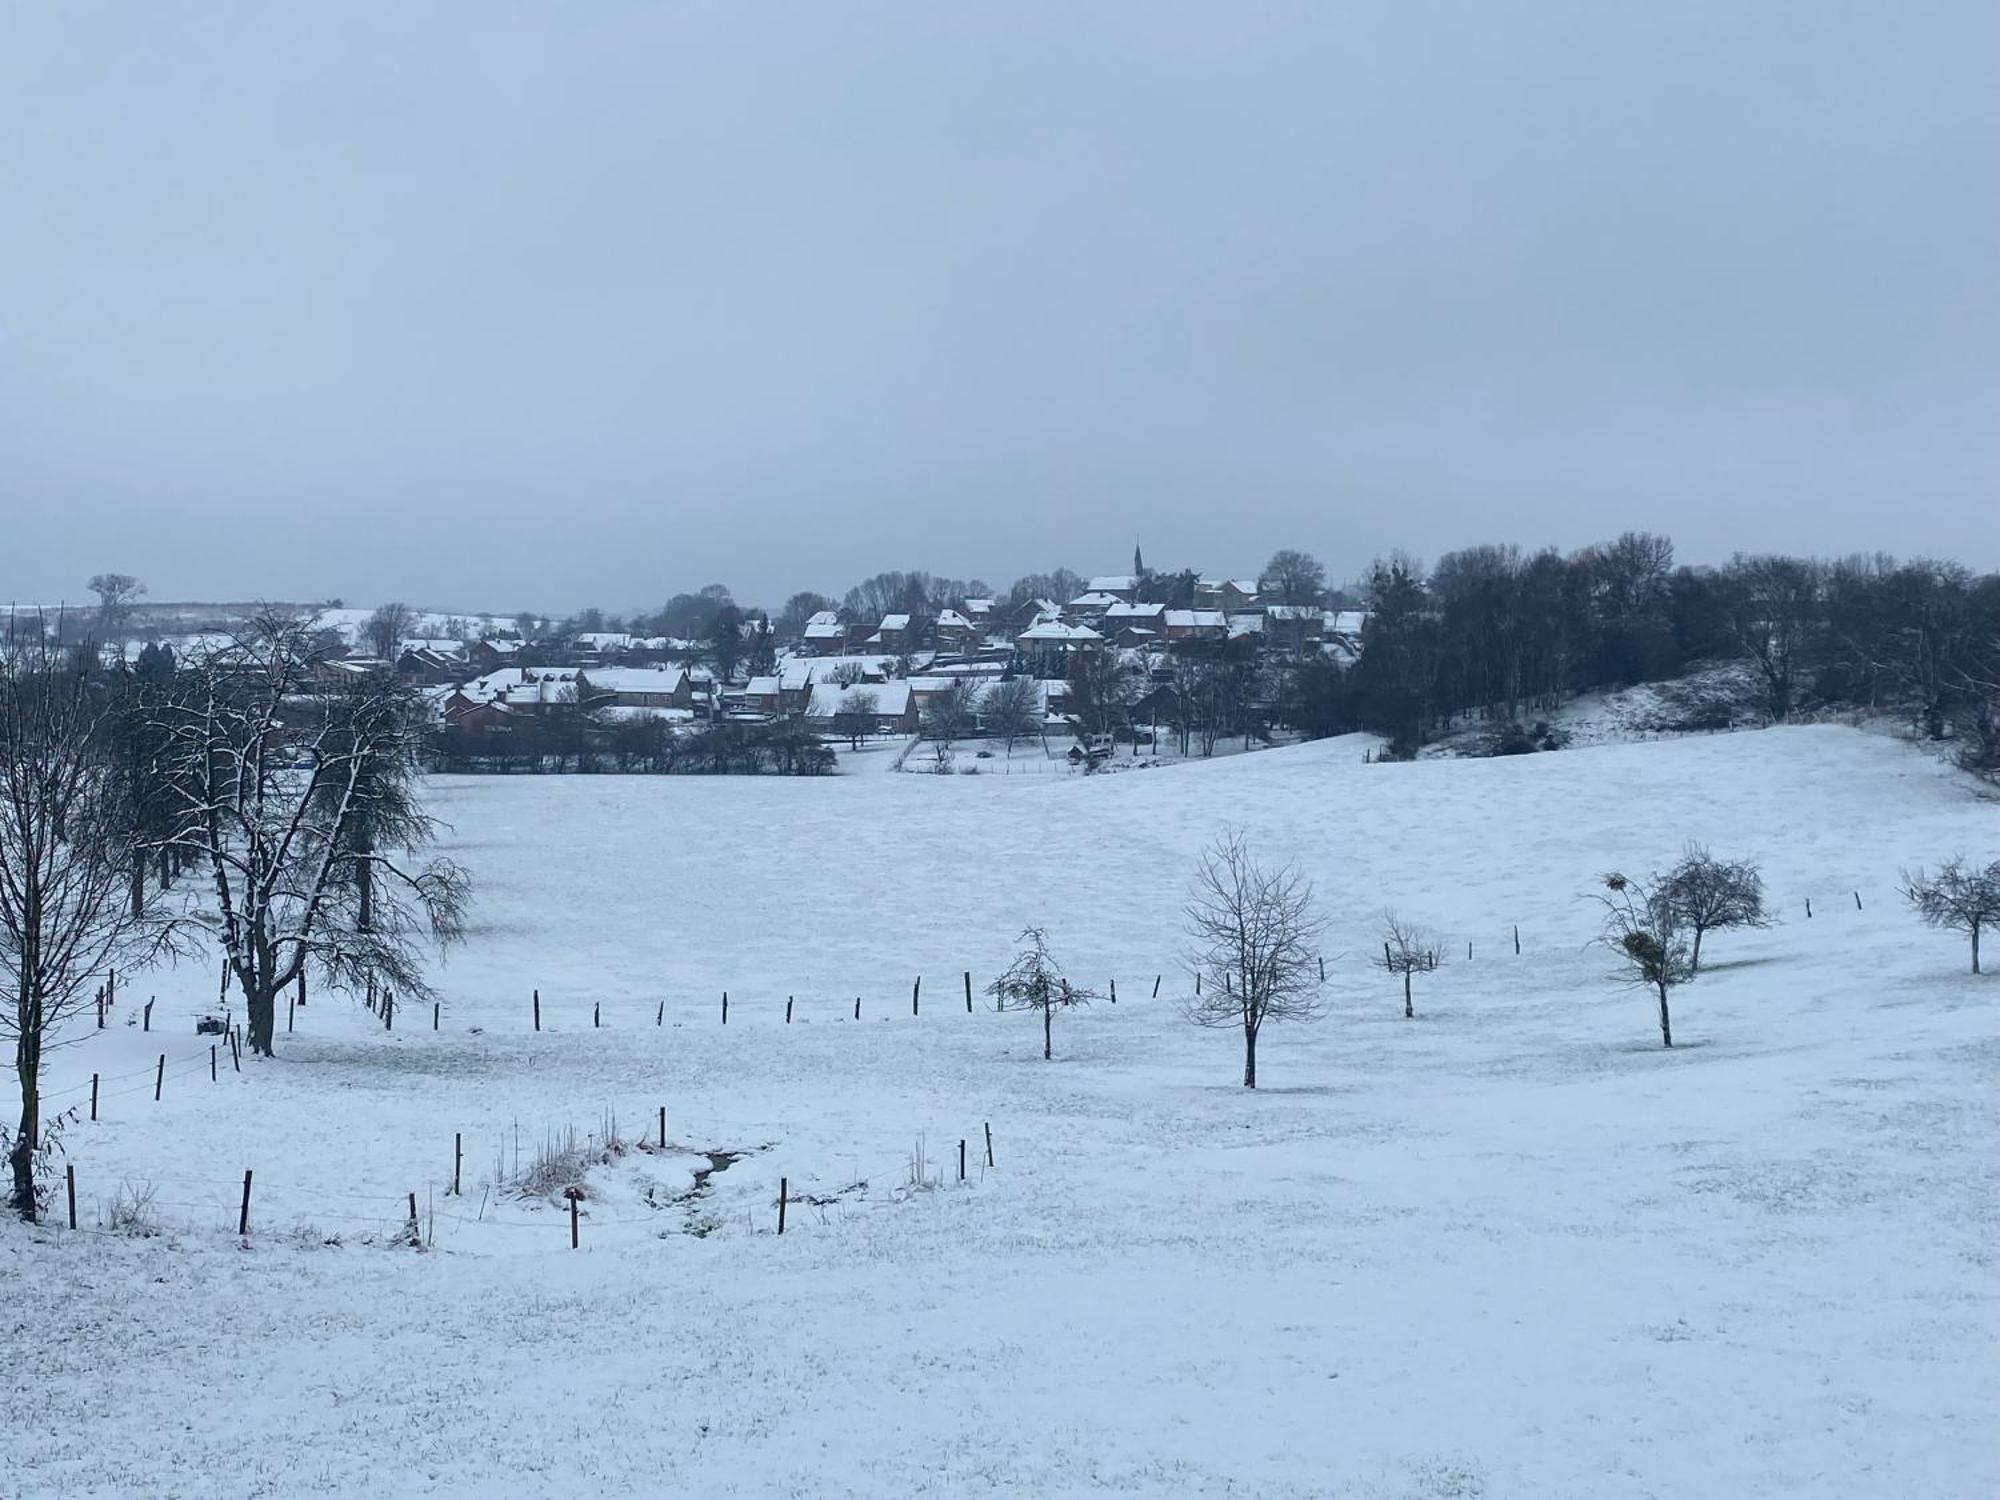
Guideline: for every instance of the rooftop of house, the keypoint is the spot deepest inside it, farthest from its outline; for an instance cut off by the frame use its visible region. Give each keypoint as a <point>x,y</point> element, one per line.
<point>828,698</point>
<point>636,679</point>
<point>1054,631</point>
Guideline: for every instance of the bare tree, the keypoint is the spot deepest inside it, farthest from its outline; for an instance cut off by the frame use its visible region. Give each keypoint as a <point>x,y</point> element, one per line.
<point>1034,981</point>
<point>1295,577</point>
<point>1407,949</point>
<point>116,594</point>
<point>948,716</point>
<point>1709,893</point>
<point>1253,945</point>
<point>1642,926</point>
<point>386,629</point>
<point>65,916</point>
<point>1012,709</point>
<point>854,716</point>
<point>1961,897</point>
<point>278,782</point>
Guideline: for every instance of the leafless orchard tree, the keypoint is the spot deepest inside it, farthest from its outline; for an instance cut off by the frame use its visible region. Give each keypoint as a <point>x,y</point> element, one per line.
<point>1253,945</point>
<point>297,800</point>
<point>855,714</point>
<point>1708,894</point>
<point>947,718</point>
<point>65,913</point>
<point>1961,897</point>
<point>1407,949</point>
<point>1643,928</point>
<point>1034,981</point>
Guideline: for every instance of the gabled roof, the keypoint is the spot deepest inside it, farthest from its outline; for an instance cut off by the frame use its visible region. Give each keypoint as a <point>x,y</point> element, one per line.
<point>1197,619</point>
<point>635,679</point>
<point>895,622</point>
<point>1095,599</point>
<point>1122,611</point>
<point>891,698</point>
<point>1054,631</point>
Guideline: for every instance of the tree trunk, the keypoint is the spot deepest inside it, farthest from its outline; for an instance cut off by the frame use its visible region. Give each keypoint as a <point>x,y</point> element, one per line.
<point>1694,959</point>
<point>1666,1021</point>
<point>138,886</point>
<point>1249,1058</point>
<point>261,1009</point>
<point>1975,947</point>
<point>27,1068</point>
<point>364,880</point>
<point>1048,1033</point>
<point>1409,1009</point>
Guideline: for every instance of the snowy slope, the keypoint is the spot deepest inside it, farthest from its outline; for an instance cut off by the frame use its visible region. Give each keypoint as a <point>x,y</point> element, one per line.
<point>1509,1248</point>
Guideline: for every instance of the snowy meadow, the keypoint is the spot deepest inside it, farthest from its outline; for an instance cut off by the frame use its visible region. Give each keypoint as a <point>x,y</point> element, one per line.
<point>1511,1246</point>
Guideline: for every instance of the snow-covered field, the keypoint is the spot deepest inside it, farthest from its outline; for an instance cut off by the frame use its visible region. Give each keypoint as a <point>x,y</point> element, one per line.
<point>1511,1247</point>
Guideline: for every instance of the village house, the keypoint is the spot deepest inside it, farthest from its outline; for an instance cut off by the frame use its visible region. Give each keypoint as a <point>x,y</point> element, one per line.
<point>637,687</point>
<point>493,653</point>
<point>955,632</point>
<point>825,635</point>
<point>1047,647</point>
<point>891,707</point>
<point>1230,595</point>
<point>1186,625</point>
<point>893,634</point>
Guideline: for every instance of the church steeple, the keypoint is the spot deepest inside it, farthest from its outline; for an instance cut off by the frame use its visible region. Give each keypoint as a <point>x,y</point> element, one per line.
<point>1138,562</point>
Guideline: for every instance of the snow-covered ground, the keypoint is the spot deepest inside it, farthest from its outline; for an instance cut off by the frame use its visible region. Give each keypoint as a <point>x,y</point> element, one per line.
<point>1511,1247</point>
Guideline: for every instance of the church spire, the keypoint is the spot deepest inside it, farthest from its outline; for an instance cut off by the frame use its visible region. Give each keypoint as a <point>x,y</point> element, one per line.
<point>1138,562</point>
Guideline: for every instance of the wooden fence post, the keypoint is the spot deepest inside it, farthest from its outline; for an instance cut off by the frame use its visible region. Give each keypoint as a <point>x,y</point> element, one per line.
<point>784,1185</point>
<point>1517,940</point>
<point>1114,992</point>
<point>93,1096</point>
<point>1808,908</point>
<point>663,1127</point>
<point>159,1077</point>
<point>236,1052</point>
<point>968,992</point>
<point>916,990</point>
<point>302,989</point>
<point>457,1159</point>
<point>989,1143</point>
<point>146,1023</point>
<point>660,1015</point>
<point>389,1010</point>
<point>291,1006</point>
<point>1857,901</point>
<point>413,1208</point>
<point>961,1158</point>
<point>725,1007</point>
<point>596,1014</point>
<point>857,1007</point>
<point>69,1179</point>
<point>243,1214</point>
<point>788,1010</point>
<point>437,1009</point>
<point>211,1062</point>
<point>572,1223</point>
<point>1158,977</point>
<point>538,1010</point>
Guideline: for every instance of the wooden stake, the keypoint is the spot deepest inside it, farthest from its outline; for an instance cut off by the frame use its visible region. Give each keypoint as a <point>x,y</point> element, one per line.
<point>437,1007</point>
<point>784,1187</point>
<point>159,1077</point>
<point>961,1158</point>
<point>538,1010</point>
<point>93,1096</point>
<point>1322,968</point>
<point>1808,908</point>
<point>857,1007</point>
<point>413,1208</point>
<point>147,1023</point>
<point>725,1007</point>
<point>1158,977</point>
<point>572,1223</point>
<point>243,1214</point>
<point>302,989</point>
<point>69,1180</point>
<point>236,1053</point>
<point>596,1017</point>
<point>211,1062</point>
<point>660,1015</point>
<point>291,1007</point>
<point>389,1010</point>
<point>1857,901</point>
<point>663,1127</point>
<point>989,1143</point>
<point>457,1158</point>
<point>968,992</point>
<point>1114,992</point>
<point>1197,984</point>
<point>788,1010</point>
<point>916,990</point>
<point>1517,940</point>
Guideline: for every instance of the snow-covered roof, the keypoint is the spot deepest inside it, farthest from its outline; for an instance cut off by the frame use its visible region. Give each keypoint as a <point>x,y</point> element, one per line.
<point>1241,585</point>
<point>622,713</point>
<point>761,687</point>
<point>890,698</point>
<point>635,679</point>
<point>443,647</point>
<point>1056,631</point>
<point>951,619</point>
<point>796,673</point>
<point>1241,625</point>
<point>1346,621</point>
<point>895,622</point>
<point>1095,599</point>
<point>604,640</point>
<point>1114,583</point>
<point>1122,611</point>
<point>1292,612</point>
<point>1196,619</point>
<point>823,617</point>
<point>824,630</point>
<point>979,606</point>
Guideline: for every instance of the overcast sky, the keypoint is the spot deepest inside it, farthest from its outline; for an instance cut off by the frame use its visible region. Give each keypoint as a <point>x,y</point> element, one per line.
<point>487,307</point>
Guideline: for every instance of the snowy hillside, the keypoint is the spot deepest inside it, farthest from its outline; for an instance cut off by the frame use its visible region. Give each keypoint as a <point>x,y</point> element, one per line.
<point>1509,1248</point>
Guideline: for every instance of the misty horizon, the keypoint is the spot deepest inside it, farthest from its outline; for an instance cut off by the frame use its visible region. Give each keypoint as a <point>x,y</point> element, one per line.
<point>588,310</point>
